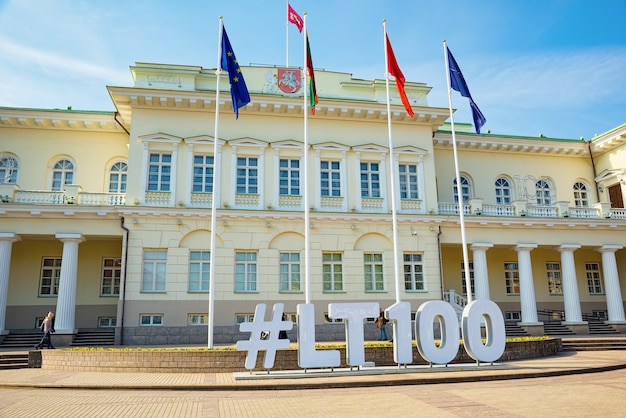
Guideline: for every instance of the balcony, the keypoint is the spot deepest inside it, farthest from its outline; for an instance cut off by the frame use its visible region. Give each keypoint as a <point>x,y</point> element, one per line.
<point>72,195</point>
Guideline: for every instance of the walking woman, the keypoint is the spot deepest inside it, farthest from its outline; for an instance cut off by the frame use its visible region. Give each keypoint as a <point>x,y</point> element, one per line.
<point>48,328</point>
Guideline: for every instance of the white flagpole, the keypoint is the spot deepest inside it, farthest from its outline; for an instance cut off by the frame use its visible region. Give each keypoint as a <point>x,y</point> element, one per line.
<point>394,214</point>
<point>287,36</point>
<point>215,194</point>
<point>305,169</point>
<point>459,193</point>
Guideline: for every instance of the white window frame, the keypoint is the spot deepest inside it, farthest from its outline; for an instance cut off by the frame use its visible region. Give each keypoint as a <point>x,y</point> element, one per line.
<point>65,169</point>
<point>408,183</point>
<point>199,271</point>
<point>293,175</point>
<point>203,180</point>
<point>9,168</point>
<point>161,169</point>
<point>107,322</point>
<point>370,179</point>
<point>466,189</point>
<point>151,320</point>
<point>330,282</point>
<point>503,191</point>
<point>511,278</point>
<point>581,195</point>
<point>246,271</point>
<point>543,192</point>
<point>54,276</point>
<point>240,318</point>
<point>197,319</point>
<point>413,265</point>
<point>290,272</point>
<point>554,278</point>
<point>463,281</point>
<point>373,272</point>
<point>151,281</point>
<point>118,177</point>
<point>594,278</point>
<point>111,271</point>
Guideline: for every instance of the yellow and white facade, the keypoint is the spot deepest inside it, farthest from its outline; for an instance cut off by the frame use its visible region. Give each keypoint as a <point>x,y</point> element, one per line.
<point>106,216</point>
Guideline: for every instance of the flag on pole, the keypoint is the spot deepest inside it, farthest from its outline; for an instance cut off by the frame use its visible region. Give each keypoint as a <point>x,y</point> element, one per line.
<point>238,89</point>
<point>457,82</point>
<point>294,17</point>
<point>313,99</point>
<point>394,70</point>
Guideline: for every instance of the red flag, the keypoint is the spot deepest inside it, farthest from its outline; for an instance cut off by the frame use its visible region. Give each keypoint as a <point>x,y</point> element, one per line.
<point>294,17</point>
<point>394,70</point>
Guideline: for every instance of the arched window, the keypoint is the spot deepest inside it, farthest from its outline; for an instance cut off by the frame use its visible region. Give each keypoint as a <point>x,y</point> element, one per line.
<point>581,196</point>
<point>543,193</point>
<point>62,174</point>
<point>117,178</point>
<point>466,189</point>
<point>9,167</point>
<point>503,191</point>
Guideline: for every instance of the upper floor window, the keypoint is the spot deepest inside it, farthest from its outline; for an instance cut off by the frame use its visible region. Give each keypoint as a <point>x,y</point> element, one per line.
<point>9,167</point>
<point>581,196</point>
<point>330,178</point>
<point>503,191</point>
<point>370,179</point>
<point>117,178</point>
<point>543,193</point>
<point>289,181</point>
<point>466,189</point>
<point>247,175</point>
<point>159,172</point>
<point>407,174</point>
<point>62,174</point>
<point>203,166</point>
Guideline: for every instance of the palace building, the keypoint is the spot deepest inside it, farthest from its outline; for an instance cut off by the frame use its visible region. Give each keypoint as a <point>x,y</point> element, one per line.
<point>105,217</point>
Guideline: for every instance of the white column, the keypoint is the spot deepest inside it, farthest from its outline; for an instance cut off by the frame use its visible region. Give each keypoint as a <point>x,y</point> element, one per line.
<point>6,245</point>
<point>526,284</point>
<point>481,274</point>
<point>66,302</point>
<point>173,177</point>
<point>573,314</point>
<point>144,174</point>
<point>614,303</point>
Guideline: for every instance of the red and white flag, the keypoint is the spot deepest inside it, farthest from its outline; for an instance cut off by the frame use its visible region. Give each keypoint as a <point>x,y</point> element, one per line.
<point>294,17</point>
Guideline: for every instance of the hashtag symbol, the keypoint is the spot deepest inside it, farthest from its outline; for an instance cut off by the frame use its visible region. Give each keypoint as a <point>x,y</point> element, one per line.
<point>256,341</point>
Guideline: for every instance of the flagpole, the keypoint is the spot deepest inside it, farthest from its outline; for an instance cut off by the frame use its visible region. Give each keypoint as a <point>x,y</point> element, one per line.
<point>215,193</point>
<point>394,214</point>
<point>468,281</point>
<point>287,36</point>
<point>305,168</point>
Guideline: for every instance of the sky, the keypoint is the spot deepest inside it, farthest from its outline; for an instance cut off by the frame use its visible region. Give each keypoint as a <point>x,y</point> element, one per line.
<point>534,67</point>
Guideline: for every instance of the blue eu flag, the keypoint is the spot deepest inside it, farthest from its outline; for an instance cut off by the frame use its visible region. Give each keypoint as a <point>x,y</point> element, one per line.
<point>238,89</point>
<point>457,82</point>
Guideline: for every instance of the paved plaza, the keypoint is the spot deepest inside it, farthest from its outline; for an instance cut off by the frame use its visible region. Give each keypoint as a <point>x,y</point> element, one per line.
<point>584,384</point>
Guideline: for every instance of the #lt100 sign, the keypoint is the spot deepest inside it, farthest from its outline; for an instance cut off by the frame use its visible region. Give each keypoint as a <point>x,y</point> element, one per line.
<point>399,314</point>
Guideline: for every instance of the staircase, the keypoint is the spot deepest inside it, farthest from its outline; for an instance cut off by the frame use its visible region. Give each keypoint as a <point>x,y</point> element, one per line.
<point>513,330</point>
<point>555,328</point>
<point>598,327</point>
<point>97,338</point>
<point>13,361</point>
<point>22,339</point>
<point>593,344</point>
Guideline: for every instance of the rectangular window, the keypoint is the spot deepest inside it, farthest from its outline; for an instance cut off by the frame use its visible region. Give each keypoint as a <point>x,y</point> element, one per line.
<point>147,320</point>
<point>159,172</point>
<point>553,271</point>
<point>153,275</point>
<point>329,320</point>
<point>245,272</point>
<point>374,278</point>
<point>107,322</point>
<point>463,282</point>
<point>332,272</point>
<point>199,269</point>
<point>511,274</point>
<point>117,182</point>
<point>413,272</point>
<point>50,273</point>
<point>202,174</point>
<point>247,175</point>
<point>111,273</point>
<point>289,177</point>
<point>370,180</point>
<point>289,272</point>
<point>330,178</point>
<point>245,317</point>
<point>594,281</point>
<point>408,181</point>
<point>513,316</point>
<point>197,319</point>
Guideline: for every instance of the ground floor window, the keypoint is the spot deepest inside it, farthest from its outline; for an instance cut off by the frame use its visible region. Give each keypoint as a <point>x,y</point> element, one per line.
<point>471,272</point>
<point>107,322</point>
<point>594,281</point>
<point>511,275</point>
<point>198,319</point>
<point>146,320</point>
<point>413,272</point>
<point>512,316</point>
<point>49,278</point>
<point>553,271</point>
<point>111,273</point>
<point>240,318</point>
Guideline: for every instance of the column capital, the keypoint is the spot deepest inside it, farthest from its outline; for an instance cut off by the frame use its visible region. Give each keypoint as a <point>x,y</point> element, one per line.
<point>525,247</point>
<point>70,237</point>
<point>481,246</point>
<point>568,247</point>
<point>610,248</point>
<point>9,236</point>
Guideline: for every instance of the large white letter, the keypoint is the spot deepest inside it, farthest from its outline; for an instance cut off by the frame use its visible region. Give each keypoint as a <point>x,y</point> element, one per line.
<point>473,314</point>
<point>400,316</point>
<point>354,314</point>
<point>424,330</point>
<point>308,356</point>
